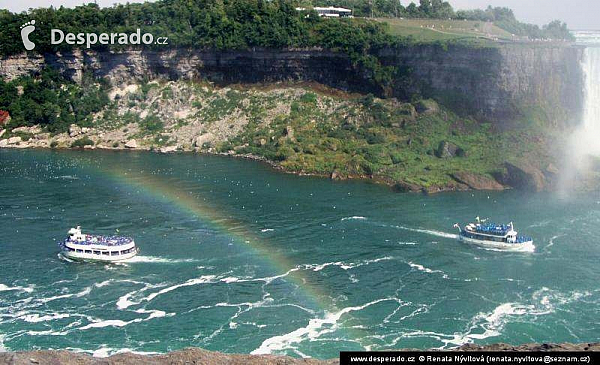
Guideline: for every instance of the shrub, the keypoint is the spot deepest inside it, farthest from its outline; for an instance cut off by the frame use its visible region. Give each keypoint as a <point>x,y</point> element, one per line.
<point>151,124</point>
<point>82,142</point>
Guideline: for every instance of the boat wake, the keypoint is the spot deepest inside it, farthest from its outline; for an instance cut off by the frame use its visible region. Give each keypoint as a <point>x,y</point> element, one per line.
<point>429,232</point>
<point>159,260</point>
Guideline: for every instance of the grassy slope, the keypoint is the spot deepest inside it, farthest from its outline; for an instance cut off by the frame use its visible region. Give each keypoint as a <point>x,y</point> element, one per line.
<point>427,30</point>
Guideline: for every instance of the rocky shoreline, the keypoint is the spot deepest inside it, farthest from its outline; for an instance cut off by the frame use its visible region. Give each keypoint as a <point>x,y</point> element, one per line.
<point>520,176</point>
<point>200,356</point>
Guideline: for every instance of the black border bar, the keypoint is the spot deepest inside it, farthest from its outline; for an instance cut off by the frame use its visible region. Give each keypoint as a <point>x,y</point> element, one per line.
<point>467,357</point>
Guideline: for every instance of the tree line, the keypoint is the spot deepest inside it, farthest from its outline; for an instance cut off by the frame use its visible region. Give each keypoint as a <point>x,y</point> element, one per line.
<point>237,24</point>
<point>211,24</point>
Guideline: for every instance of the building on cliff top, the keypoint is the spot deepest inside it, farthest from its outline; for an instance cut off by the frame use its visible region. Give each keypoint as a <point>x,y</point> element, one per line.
<point>331,12</point>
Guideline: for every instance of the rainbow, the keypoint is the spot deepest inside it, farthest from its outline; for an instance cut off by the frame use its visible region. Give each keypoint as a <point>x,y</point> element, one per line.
<point>158,188</point>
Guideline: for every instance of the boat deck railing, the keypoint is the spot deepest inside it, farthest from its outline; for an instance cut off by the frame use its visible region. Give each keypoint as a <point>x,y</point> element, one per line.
<point>103,241</point>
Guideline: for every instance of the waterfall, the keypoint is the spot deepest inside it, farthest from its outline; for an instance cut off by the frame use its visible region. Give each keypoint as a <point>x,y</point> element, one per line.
<point>591,69</point>
<point>583,149</point>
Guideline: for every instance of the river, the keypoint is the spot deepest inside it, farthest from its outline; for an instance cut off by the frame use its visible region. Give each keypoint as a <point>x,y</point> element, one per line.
<point>237,257</point>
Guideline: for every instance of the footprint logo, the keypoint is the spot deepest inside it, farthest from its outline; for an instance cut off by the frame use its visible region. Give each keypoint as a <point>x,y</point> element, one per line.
<point>26,30</point>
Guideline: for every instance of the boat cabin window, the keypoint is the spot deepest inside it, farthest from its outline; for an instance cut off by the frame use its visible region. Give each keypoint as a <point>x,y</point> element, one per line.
<point>105,253</point>
<point>88,251</point>
<point>96,252</point>
<point>114,253</point>
<point>78,250</point>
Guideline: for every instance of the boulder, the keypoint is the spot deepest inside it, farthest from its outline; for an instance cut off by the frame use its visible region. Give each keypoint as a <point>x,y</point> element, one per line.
<point>522,175</point>
<point>74,130</point>
<point>289,132</point>
<point>448,150</point>
<point>335,175</point>
<point>132,143</point>
<point>202,139</point>
<point>405,187</point>
<point>477,181</point>
<point>427,106</point>
<point>2,132</point>
<point>3,142</point>
<point>14,140</point>
<point>168,149</point>
<point>407,113</point>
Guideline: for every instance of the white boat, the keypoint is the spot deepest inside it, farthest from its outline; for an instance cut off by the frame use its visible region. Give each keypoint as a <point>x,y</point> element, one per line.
<point>498,236</point>
<point>86,247</point>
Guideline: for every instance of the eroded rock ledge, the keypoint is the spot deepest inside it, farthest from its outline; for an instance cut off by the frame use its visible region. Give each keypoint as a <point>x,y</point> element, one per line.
<point>200,356</point>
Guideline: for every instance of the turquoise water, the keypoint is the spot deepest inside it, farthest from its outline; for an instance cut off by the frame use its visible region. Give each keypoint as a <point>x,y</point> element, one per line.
<point>239,258</point>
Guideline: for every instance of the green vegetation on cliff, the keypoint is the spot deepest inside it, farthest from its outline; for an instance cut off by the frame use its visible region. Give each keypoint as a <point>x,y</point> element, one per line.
<point>302,128</point>
<point>49,100</point>
<point>418,145</point>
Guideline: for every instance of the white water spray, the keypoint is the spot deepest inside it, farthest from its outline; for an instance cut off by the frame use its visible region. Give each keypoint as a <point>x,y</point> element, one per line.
<point>583,153</point>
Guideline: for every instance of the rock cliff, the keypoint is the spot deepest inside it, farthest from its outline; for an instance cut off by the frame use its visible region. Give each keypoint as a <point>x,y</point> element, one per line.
<point>199,356</point>
<point>498,83</point>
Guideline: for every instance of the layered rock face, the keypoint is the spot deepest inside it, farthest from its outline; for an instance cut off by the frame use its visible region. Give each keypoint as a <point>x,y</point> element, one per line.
<point>495,83</point>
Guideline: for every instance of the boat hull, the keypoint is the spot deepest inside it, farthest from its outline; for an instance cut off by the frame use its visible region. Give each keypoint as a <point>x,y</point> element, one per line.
<point>80,256</point>
<point>524,246</point>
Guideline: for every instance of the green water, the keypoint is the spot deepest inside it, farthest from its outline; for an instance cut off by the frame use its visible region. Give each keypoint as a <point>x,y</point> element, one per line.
<point>239,258</point>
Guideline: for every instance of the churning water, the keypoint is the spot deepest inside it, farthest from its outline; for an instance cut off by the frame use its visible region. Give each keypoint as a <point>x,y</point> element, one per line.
<point>239,258</point>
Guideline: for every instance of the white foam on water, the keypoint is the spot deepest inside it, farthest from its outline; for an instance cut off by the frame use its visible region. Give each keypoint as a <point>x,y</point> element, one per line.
<point>99,323</point>
<point>26,289</point>
<point>124,301</point>
<point>316,328</point>
<point>2,347</point>
<point>108,323</point>
<point>491,323</point>
<point>355,217</point>
<point>543,302</point>
<point>80,294</point>
<point>67,177</point>
<point>267,230</point>
<point>426,269</point>
<point>36,318</point>
<point>160,260</point>
<point>109,351</point>
<point>343,265</point>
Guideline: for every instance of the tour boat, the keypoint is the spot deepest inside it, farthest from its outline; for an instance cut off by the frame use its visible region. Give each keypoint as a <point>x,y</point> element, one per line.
<point>86,247</point>
<point>499,236</point>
